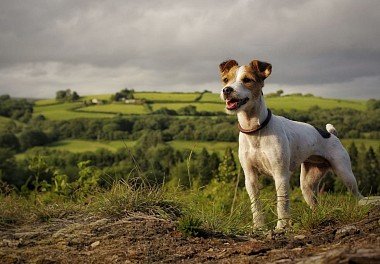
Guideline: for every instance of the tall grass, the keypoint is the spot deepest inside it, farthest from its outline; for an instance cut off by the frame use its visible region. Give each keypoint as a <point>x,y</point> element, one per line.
<point>215,208</point>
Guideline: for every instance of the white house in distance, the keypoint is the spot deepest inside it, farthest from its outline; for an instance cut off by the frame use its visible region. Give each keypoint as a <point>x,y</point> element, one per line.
<point>130,101</point>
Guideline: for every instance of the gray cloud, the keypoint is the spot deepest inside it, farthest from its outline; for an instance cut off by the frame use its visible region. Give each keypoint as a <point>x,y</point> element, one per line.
<point>323,47</point>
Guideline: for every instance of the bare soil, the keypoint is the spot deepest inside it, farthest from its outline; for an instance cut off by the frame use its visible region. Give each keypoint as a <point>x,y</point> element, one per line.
<point>140,238</point>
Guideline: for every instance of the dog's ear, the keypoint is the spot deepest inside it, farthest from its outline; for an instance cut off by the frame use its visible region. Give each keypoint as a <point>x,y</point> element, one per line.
<point>225,66</point>
<point>263,69</point>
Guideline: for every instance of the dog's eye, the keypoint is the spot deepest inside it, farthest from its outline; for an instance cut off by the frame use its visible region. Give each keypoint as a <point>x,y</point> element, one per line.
<point>247,80</point>
<point>225,80</point>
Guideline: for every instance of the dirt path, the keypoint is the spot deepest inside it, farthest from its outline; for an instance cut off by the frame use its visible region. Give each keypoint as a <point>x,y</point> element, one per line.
<point>140,238</point>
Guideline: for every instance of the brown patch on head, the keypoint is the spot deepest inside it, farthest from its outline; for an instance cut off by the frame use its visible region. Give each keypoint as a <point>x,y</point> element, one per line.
<point>251,80</point>
<point>228,70</point>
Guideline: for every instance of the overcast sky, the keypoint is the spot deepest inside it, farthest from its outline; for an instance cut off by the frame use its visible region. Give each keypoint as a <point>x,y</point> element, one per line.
<point>329,48</point>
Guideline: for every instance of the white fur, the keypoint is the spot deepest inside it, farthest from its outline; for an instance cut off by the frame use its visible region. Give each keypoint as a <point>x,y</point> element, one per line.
<point>279,149</point>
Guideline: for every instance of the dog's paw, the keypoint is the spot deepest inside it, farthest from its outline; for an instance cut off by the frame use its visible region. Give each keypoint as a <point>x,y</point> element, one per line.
<point>283,224</point>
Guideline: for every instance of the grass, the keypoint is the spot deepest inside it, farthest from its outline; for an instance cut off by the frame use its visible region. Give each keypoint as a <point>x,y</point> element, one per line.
<point>197,146</point>
<point>304,103</point>
<point>96,96</point>
<point>210,107</point>
<point>374,143</point>
<point>124,198</point>
<point>64,111</point>
<point>210,102</point>
<point>77,145</point>
<point>115,108</point>
<point>211,97</point>
<point>332,209</point>
<point>5,122</point>
<point>174,97</point>
<point>207,209</point>
<point>45,102</point>
<point>16,209</point>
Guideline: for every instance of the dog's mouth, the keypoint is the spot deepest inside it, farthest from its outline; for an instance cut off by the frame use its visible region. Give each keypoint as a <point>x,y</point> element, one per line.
<point>235,103</point>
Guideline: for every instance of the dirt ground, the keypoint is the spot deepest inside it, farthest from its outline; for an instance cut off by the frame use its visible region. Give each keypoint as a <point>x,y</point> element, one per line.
<point>139,238</point>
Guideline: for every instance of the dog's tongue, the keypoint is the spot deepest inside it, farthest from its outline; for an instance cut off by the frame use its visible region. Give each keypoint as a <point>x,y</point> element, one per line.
<point>231,104</point>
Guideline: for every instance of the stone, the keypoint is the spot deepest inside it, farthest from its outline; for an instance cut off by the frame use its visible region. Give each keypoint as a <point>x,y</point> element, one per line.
<point>346,231</point>
<point>95,244</point>
<point>300,237</point>
<point>369,200</point>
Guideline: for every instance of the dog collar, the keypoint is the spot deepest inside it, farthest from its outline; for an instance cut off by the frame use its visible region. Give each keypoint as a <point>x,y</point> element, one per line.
<point>264,124</point>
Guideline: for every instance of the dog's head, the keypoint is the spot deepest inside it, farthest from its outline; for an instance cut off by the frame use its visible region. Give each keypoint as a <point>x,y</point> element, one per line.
<point>242,85</point>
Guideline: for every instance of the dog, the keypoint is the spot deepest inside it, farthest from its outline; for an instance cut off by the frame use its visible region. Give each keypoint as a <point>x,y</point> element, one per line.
<point>276,146</point>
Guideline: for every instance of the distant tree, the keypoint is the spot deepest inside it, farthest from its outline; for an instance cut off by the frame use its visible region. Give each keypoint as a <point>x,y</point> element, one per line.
<point>10,141</point>
<point>7,166</point>
<point>19,109</point>
<point>204,167</point>
<point>227,168</point>
<point>123,94</point>
<point>74,96</point>
<point>373,104</point>
<point>279,92</point>
<point>371,172</point>
<point>32,138</point>
<point>189,110</point>
<point>66,95</point>
<point>60,95</point>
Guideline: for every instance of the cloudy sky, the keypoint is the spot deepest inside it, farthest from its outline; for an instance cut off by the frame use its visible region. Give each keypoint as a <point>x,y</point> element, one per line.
<point>329,48</point>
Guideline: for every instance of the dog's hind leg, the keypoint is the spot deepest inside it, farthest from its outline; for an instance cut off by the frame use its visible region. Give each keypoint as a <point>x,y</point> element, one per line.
<point>311,175</point>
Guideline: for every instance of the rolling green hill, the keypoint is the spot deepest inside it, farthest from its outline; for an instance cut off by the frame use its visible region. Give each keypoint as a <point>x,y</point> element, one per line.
<point>210,102</point>
<point>5,122</point>
<point>76,145</point>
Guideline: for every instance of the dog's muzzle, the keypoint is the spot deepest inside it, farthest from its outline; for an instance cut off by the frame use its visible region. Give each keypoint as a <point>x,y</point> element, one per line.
<point>235,103</point>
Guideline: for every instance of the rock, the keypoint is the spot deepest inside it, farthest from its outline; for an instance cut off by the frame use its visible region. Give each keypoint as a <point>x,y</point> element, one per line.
<point>369,200</point>
<point>331,256</point>
<point>300,237</point>
<point>346,231</point>
<point>95,244</point>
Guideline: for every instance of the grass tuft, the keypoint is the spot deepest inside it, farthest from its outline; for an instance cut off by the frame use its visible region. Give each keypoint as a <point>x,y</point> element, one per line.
<point>332,209</point>
<point>124,198</point>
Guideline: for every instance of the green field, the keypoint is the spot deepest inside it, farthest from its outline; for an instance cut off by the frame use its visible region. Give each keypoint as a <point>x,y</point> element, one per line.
<point>54,110</point>
<point>299,102</point>
<point>211,97</point>
<point>77,146</point>
<point>96,96</point>
<point>45,102</point>
<point>210,107</point>
<point>125,109</point>
<point>175,97</point>
<point>5,122</point>
<point>212,146</point>
<point>304,103</point>
<point>63,111</point>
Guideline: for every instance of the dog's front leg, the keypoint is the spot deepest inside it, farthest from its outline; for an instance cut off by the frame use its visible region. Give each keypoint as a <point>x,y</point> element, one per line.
<point>282,189</point>
<point>252,186</point>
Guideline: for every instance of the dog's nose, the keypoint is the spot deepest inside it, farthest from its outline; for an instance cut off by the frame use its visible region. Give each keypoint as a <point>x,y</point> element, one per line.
<point>227,90</point>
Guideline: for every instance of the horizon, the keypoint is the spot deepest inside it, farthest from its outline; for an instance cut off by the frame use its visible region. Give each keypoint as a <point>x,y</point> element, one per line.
<point>217,94</point>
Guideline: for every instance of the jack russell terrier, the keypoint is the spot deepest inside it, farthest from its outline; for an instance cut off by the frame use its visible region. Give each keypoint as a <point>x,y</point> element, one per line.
<point>276,146</point>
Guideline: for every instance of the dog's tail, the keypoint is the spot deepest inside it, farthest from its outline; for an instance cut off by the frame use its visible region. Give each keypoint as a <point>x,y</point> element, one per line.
<point>331,129</point>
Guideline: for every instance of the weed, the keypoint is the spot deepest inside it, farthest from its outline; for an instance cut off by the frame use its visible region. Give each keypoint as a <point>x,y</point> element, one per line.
<point>190,226</point>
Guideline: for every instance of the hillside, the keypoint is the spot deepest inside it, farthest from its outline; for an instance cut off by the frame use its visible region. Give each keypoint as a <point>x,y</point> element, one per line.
<point>207,102</point>
<point>143,238</point>
<point>77,145</point>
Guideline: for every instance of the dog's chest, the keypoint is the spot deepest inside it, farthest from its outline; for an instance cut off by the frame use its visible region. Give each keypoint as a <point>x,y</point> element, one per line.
<point>252,154</point>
